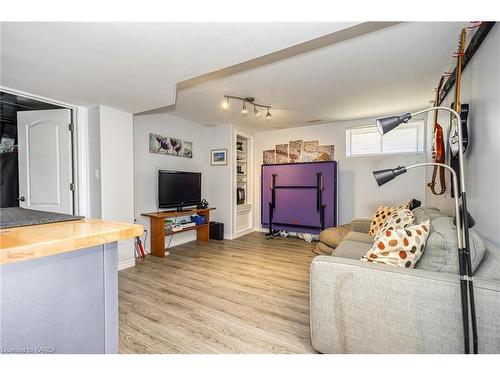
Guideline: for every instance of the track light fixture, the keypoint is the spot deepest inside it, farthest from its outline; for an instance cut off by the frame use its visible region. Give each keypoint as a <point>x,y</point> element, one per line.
<point>244,110</point>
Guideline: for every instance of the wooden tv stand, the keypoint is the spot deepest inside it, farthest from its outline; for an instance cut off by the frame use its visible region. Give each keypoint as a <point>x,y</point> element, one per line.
<point>158,232</point>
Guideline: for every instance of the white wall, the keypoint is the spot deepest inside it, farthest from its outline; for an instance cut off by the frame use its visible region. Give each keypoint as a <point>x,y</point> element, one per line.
<point>146,164</point>
<point>220,187</point>
<point>481,90</point>
<point>111,176</point>
<point>94,170</point>
<point>358,193</point>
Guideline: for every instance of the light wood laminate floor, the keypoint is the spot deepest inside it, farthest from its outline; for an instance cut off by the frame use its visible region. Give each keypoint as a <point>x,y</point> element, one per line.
<point>248,295</point>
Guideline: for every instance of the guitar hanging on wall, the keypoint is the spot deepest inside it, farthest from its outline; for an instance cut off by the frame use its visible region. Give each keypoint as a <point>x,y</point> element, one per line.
<point>438,153</point>
<point>462,109</point>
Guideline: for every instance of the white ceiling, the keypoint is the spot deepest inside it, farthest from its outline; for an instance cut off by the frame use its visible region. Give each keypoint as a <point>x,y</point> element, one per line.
<point>135,66</point>
<point>387,71</point>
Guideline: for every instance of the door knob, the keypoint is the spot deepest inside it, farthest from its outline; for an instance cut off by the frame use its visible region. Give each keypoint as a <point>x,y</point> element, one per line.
<point>21,199</point>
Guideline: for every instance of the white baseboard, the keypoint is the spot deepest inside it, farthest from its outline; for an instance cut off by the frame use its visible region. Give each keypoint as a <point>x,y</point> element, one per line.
<point>244,232</point>
<point>124,264</point>
<point>259,229</point>
<point>228,236</point>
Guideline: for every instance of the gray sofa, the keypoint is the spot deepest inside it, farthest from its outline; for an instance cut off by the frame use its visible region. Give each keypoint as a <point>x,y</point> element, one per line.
<point>361,307</point>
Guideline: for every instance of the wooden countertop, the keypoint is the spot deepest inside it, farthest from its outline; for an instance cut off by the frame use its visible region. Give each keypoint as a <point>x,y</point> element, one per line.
<point>36,241</point>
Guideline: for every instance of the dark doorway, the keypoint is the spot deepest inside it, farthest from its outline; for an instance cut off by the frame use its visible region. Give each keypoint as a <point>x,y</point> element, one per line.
<point>10,104</point>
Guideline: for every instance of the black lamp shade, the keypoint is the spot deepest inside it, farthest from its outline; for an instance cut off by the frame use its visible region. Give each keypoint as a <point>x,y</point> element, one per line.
<point>470,220</point>
<point>383,176</point>
<point>386,124</point>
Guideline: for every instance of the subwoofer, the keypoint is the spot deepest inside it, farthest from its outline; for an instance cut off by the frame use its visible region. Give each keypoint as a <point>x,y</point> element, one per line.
<point>216,230</point>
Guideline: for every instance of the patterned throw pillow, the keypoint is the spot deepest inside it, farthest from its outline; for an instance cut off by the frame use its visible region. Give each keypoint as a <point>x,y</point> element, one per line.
<point>381,216</point>
<point>401,219</point>
<point>399,247</point>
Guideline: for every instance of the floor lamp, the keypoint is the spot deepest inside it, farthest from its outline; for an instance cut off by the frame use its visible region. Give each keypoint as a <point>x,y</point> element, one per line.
<point>385,125</point>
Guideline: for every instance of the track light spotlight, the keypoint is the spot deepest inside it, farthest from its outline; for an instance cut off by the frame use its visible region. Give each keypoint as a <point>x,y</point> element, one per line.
<point>244,111</point>
<point>256,112</point>
<point>225,104</point>
<point>268,114</point>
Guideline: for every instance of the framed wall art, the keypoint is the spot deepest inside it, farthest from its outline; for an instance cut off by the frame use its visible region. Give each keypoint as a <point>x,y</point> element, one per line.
<point>218,156</point>
<point>159,144</point>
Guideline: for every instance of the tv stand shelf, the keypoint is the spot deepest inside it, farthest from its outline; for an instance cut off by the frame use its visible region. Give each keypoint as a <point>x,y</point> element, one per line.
<point>158,232</point>
<point>196,227</point>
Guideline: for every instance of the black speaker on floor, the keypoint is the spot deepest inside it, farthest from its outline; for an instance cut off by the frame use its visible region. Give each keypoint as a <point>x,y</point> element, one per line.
<point>216,230</point>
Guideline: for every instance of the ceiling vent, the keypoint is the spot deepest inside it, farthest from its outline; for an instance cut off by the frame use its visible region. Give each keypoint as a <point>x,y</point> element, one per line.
<point>314,121</point>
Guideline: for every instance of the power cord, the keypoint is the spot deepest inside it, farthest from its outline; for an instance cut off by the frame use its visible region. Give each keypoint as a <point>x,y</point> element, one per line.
<point>171,236</point>
<point>145,241</point>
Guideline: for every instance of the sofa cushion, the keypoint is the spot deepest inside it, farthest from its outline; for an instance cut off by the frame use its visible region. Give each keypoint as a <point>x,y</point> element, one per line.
<point>333,236</point>
<point>441,254</point>
<point>351,249</point>
<point>424,213</point>
<point>359,237</point>
<point>490,266</point>
<point>399,247</point>
<point>361,225</point>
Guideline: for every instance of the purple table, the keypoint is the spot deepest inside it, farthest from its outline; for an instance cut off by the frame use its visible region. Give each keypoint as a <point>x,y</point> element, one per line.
<point>303,192</point>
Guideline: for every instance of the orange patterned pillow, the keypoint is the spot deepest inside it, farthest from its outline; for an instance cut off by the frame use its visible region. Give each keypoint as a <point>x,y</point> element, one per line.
<point>399,247</point>
<point>381,216</point>
<point>402,218</point>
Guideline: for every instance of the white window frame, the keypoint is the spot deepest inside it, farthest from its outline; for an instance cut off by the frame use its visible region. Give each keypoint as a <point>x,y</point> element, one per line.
<point>419,125</point>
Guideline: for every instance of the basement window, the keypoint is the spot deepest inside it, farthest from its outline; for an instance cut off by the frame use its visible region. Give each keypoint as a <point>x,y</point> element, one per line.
<point>367,141</point>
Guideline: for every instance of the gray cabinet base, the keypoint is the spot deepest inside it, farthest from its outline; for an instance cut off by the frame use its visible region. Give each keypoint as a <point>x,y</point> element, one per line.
<point>65,303</point>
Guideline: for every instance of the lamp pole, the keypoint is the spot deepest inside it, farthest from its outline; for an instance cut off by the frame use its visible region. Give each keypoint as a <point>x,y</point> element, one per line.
<point>385,125</point>
<point>386,175</point>
<point>464,251</point>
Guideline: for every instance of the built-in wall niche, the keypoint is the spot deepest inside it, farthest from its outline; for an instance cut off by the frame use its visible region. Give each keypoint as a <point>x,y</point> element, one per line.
<point>243,184</point>
<point>241,169</point>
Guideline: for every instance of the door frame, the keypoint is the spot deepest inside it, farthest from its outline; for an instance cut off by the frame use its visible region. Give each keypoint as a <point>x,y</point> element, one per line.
<point>79,118</point>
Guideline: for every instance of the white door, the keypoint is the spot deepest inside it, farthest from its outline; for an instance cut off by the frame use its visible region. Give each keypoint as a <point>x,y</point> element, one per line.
<point>45,161</point>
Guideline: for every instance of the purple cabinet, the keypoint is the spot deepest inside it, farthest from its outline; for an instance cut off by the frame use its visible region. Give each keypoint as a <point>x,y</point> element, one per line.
<point>299,197</point>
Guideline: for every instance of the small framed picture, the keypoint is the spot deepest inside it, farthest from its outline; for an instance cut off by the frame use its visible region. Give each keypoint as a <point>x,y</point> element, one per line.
<point>219,156</point>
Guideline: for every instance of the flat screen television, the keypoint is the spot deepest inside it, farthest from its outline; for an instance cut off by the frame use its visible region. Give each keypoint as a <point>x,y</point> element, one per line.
<point>178,189</point>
